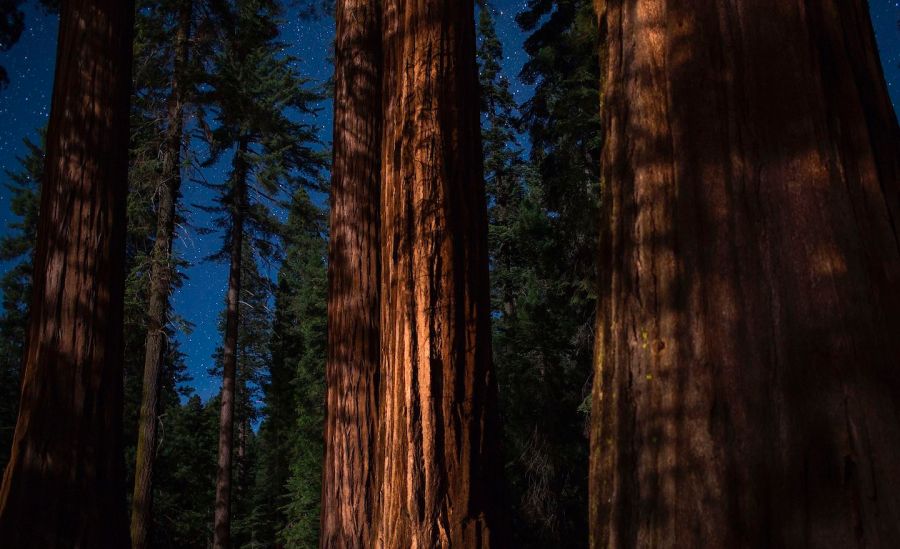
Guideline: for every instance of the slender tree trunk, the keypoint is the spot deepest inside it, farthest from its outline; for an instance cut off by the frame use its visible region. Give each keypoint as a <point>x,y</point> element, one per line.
<point>348,484</point>
<point>747,391</point>
<point>438,441</point>
<point>64,484</point>
<point>161,272</point>
<point>222,526</point>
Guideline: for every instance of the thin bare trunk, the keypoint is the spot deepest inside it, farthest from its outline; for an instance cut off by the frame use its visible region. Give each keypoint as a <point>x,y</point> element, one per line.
<point>161,272</point>
<point>222,518</point>
<point>747,391</point>
<point>348,485</point>
<point>64,484</point>
<point>438,442</point>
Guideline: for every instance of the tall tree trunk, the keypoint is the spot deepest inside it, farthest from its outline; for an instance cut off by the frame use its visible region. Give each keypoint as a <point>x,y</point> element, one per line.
<point>64,484</point>
<point>747,391</point>
<point>348,484</point>
<point>222,517</point>
<point>438,441</point>
<point>161,272</point>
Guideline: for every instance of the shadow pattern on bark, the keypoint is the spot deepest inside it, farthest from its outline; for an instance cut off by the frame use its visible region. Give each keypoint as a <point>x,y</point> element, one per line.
<point>747,391</point>
<point>64,484</point>
<point>349,472</point>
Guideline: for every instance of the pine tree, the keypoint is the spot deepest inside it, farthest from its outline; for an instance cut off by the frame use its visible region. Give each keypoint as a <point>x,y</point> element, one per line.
<point>504,169</point>
<point>254,88</point>
<point>544,276</point>
<point>17,246</point>
<point>69,424</point>
<point>298,376</point>
<point>162,262</point>
<point>277,430</point>
<point>518,231</point>
<point>253,358</point>
<point>746,391</point>
<point>563,125</point>
<point>184,484</point>
<point>562,119</point>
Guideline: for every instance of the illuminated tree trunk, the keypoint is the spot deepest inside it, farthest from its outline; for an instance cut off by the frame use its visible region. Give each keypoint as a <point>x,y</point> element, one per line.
<point>161,285</point>
<point>438,442</point>
<point>747,391</point>
<point>64,484</point>
<point>348,483</point>
<point>222,514</point>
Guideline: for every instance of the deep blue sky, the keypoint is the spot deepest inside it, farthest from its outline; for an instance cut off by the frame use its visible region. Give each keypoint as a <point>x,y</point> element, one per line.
<point>24,107</point>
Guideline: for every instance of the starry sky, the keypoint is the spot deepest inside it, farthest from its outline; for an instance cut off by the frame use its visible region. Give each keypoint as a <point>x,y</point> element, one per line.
<point>25,105</point>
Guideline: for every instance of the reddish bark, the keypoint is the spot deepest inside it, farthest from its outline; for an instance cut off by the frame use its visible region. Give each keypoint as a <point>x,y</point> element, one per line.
<point>161,272</point>
<point>747,391</point>
<point>64,484</point>
<point>439,476</point>
<point>348,484</point>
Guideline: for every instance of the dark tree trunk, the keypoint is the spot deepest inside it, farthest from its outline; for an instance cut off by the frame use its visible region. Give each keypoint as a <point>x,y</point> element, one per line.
<point>222,517</point>
<point>747,391</point>
<point>64,484</point>
<point>161,272</point>
<point>438,441</point>
<point>348,484</point>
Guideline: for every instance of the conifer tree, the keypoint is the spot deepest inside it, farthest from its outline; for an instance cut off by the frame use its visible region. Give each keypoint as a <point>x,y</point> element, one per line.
<point>173,63</point>
<point>144,170</point>
<point>69,425</point>
<point>17,246</point>
<point>543,249</point>
<point>440,471</point>
<point>296,392</point>
<point>252,360</point>
<point>746,389</point>
<point>254,87</point>
<point>518,230</point>
<point>348,483</point>
<point>504,168</point>
<point>185,479</point>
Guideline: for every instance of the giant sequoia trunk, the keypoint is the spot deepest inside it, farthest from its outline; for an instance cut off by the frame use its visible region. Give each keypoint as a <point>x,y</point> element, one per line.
<point>747,391</point>
<point>438,441</point>
<point>222,514</point>
<point>64,484</point>
<point>161,272</point>
<point>348,485</point>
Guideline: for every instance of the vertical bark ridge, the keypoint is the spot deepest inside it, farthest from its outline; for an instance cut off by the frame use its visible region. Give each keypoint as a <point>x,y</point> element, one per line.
<point>438,441</point>
<point>349,475</point>
<point>747,391</point>
<point>64,483</point>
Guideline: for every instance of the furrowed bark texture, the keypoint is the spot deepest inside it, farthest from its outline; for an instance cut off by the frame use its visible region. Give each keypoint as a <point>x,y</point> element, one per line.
<point>64,484</point>
<point>353,346</point>
<point>747,391</point>
<point>438,444</point>
<point>161,272</point>
<point>222,513</point>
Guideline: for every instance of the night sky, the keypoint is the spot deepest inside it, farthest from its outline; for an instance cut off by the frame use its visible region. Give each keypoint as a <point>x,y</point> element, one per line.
<point>25,105</point>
